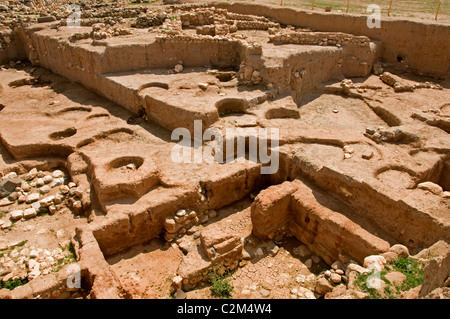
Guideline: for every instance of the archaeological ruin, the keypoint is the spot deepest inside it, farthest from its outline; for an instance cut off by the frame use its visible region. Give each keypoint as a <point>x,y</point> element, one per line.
<point>136,141</point>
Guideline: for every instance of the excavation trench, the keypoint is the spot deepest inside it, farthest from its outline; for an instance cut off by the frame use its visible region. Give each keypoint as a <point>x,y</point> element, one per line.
<point>341,187</point>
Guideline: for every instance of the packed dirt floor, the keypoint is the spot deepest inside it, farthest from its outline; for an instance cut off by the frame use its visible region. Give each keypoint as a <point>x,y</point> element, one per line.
<point>112,185</point>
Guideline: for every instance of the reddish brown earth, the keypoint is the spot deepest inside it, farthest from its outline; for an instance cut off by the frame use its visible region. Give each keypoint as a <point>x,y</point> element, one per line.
<point>364,155</point>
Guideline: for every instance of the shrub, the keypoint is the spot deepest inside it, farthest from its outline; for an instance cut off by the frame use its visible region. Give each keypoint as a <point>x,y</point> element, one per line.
<point>11,284</point>
<point>220,286</point>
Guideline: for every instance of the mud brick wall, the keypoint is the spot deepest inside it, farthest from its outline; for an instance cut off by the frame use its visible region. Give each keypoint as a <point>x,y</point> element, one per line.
<point>424,45</point>
<point>291,208</point>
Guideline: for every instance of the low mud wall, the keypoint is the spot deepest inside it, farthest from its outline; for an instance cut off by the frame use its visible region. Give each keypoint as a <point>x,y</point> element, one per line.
<point>423,45</point>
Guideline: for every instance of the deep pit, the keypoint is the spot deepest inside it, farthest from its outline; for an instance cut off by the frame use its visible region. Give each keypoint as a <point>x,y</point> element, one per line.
<point>92,187</point>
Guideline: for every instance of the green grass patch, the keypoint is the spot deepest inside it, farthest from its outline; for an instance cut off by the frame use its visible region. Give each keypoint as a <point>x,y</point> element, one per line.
<point>11,284</point>
<point>412,269</point>
<point>220,285</point>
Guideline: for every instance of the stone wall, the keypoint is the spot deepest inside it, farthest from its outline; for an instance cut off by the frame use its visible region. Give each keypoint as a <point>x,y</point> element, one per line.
<point>51,286</point>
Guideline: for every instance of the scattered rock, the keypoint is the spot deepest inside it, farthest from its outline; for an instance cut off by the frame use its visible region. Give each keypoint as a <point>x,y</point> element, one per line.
<point>273,251</point>
<point>323,286</point>
<point>203,86</point>
<point>46,202</point>
<point>6,224</point>
<point>335,278</point>
<point>431,187</point>
<point>57,182</point>
<point>400,250</point>
<point>302,251</point>
<point>355,268</point>
<point>34,254</point>
<point>7,186</point>
<point>259,252</point>
<point>337,292</point>
<point>390,256</point>
<point>192,230</point>
<point>395,277</point>
<point>25,186</point>
<point>375,262</point>
<point>64,189</point>
<point>57,174</point>
<point>46,19</point>
<point>264,293</point>
<point>367,154</point>
<point>32,198</point>
<point>10,175</point>
<point>29,213</point>
<point>246,255</point>
<point>40,182</point>
<point>212,214</point>
<point>13,196</point>
<point>305,293</point>
<point>178,68</point>
<point>203,219</point>
<point>177,282</point>
<point>308,263</point>
<point>5,202</point>
<point>411,294</point>
<point>337,265</point>
<point>44,189</point>
<point>180,294</point>
<point>31,174</point>
<point>16,214</point>
<point>71,185</point>
<point>171,225</point>
<point>47,179</point>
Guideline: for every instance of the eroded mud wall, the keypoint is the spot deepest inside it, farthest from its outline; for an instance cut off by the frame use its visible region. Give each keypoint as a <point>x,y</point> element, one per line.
<point>425,46</point>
